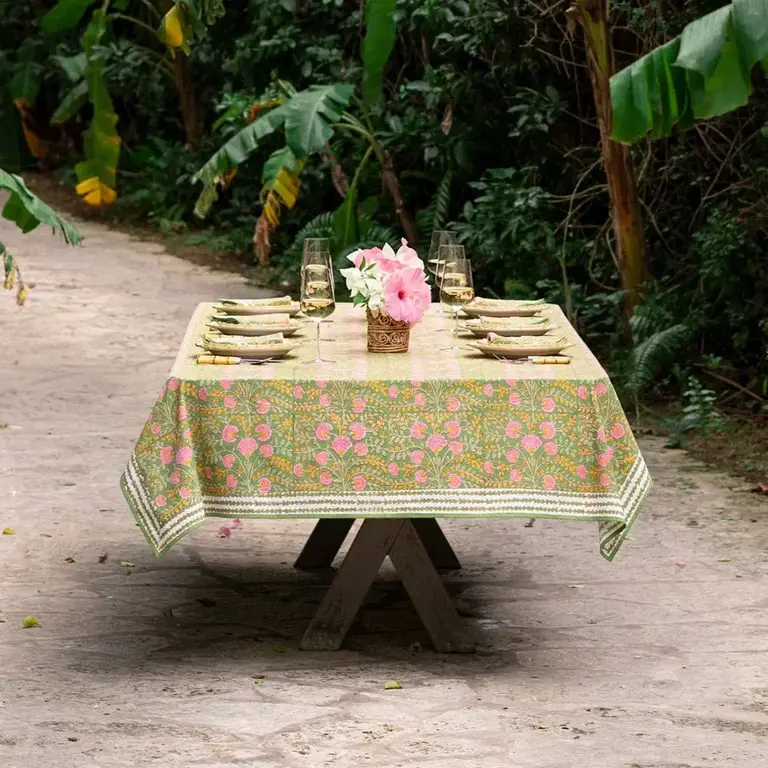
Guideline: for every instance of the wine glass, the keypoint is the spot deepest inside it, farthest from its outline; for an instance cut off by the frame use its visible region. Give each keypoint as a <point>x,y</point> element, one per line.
<point>312,246</point>
<point>318,299</point>
<point>439,238</point>
<point>456,287</point>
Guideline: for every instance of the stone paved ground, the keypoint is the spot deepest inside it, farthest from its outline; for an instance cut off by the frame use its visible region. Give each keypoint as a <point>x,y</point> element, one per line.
<point>656,661</point>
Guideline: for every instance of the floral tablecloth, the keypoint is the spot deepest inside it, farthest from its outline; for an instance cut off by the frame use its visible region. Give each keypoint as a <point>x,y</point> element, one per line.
<point>429,433</point>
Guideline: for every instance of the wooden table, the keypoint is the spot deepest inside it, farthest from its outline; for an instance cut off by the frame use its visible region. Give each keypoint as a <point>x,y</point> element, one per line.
<point>398,441</point>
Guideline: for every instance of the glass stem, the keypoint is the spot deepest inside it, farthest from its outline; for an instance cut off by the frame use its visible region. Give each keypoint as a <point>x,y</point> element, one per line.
<point>317,324</point>
<point>455,314</point>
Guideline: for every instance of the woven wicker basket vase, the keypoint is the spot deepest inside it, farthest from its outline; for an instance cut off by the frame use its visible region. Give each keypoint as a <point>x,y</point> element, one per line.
<point>386,334</point>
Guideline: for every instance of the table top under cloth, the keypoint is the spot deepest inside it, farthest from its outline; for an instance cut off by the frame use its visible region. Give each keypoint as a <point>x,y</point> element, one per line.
<point>428,433</point>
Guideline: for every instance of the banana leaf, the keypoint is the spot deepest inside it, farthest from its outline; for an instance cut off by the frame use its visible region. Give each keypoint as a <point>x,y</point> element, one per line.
<point>71,104</point>
<point>27,211</point>
<point>703,73</point>
<point>310,116</point>
<point>380,34</point>
<point>65,15</point>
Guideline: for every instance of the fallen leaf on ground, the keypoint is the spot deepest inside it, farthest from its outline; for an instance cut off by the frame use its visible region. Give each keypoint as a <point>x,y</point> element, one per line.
<point>258,681</point>
<point>530,523</point>
<point>69,560</point>
<point>103,558</point>
<point>71,738</point>
<point>575,586</point>
<point>30,621</point>
<point>760,488</point>
<point>723,559</point>
<point>279,648</point>
<point>224,532</point>
<point>258,677</point>
<point>392,685</point>
<point>127,564</point>
<point>542,727</point>
<point>236,524</point>
<point>9,532</point>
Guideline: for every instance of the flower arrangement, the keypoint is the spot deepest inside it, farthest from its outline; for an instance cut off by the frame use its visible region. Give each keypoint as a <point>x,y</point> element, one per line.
<point>388,283</point>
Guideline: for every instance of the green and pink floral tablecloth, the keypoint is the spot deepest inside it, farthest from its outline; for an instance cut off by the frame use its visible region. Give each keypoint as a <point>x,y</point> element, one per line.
<point>429,433</point>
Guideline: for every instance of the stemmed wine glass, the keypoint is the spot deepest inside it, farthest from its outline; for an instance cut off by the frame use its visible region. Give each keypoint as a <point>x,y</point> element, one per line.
<point>318,299</point>
<point>434,263</point>
<point>456,288</point>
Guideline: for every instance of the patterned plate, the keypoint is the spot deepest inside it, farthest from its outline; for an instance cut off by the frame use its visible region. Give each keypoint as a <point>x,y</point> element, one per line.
<point>246,307</point>
<point>245,347</point>
<point>255,329</point>
<point>529,347</point>
<point>522,327</point>
<point>491,308</point>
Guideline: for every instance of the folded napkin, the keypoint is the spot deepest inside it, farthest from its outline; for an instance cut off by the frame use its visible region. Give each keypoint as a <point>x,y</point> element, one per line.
<point>505,322</point>
<point>478,301</point>
<point>223,340</point>
<point>281,301</point>
<point>253,319</point>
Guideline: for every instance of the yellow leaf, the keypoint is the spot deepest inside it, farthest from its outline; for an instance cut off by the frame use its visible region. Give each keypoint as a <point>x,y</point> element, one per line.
<point>38,147</point>
<point>30,621</point>
<point>9,532</point>
<point>172,25</point>
<point>286,185</point>
<point>127,564</point>
<point>392,685</point>
<point>94,192</point>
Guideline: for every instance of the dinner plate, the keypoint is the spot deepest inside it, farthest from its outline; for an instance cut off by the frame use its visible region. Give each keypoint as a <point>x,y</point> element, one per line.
<point>246,347</point>
<point>494,308</point>
<point>518,326</point>
<point>250,307</point>
<point>528,346</point>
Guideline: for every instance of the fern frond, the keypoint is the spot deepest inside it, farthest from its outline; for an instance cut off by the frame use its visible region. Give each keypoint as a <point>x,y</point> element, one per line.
<point>435,214</point>
<point>655,356</point>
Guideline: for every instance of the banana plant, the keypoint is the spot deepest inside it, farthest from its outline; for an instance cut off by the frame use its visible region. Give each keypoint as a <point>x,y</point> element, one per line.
<point>27,211</point>
<point>309,119</point>
<point>703,73</point>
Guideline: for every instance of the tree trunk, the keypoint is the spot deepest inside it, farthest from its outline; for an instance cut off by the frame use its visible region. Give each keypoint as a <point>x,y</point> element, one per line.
<point>190,114</point>
<point>389,177</point>
<point>592,15</point>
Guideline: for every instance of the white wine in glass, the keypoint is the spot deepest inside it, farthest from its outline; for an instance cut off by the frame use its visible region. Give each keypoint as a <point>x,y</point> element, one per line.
<point>456,289</point>
<point>318,299</point>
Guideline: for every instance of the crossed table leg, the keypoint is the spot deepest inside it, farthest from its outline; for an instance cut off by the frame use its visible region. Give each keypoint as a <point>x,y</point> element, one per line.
<point>415,547</point>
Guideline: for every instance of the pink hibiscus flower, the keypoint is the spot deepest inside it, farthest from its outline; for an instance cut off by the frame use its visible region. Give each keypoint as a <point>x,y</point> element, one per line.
<point>160,500</point>
<point>228,433</point>
<point>407,295</point>
<point>175,477</point>
<point>361,449</point>
<point>184,455</point>
<point>247,446</point>
<point>371,256</point>
<point>549,482</point>
<point>224,532</point>
<point>263,406</point>
<point>231,481</point>
<point>455,447</point>
<point>265,484</point>
<point>513,429</point>
<point>394,470</point>
<point>515,475</point>
<point>421,476</point>
<point>326,478</point>
<point>513,455</point>
<point>453,404</point>
<point>263,432</point>
<point>341,444</point>
<point>166,454</point>
<point>323,431</point>
<point>357,431</point>
<point>548,405</point>
<point>266,450</point>
<point>488,468</point>
<point>228,460</point>
<point>419,430</point>
<point>436,443</point>
<point>358,483</point>
<point>601,389</point>
<point>453,428</point>
<point>618,431</point>
<point>230,401</point>
<point>454,480</point>
<point>322,458</point>
<point>531,443</point>
<point>358,405</point>
<point>550,449</point>
<point>417,457</point>
<point>298,470</point>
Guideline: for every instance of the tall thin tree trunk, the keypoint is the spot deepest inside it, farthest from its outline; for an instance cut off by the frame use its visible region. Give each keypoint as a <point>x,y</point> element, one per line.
<point>392,184</point>
<point>190,112</point>
<point>592,16</point>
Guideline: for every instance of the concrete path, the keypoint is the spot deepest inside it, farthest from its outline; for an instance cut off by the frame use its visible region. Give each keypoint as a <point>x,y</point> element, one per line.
<point>657,661</point>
